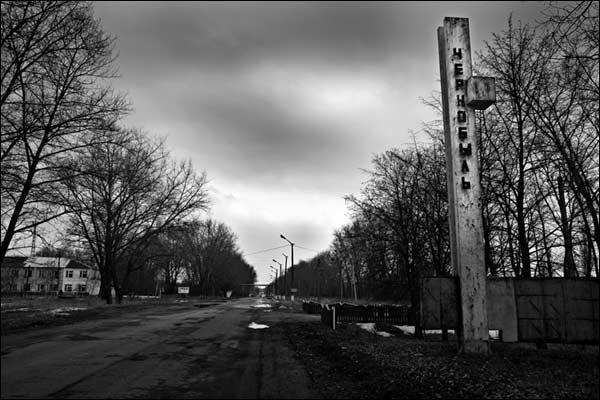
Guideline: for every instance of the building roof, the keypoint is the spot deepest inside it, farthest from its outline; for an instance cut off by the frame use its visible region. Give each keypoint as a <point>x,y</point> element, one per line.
<point>43,262</point>
<point>74,264</point>
<point>13,262</point>
<point>46,262</point>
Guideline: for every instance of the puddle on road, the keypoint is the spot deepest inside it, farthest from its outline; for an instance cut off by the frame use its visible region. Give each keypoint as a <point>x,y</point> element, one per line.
<point>254,325</point>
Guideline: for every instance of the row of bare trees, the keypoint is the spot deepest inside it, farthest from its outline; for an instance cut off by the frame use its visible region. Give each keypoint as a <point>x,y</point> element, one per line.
<point>540,145</point>
<point>201,254</point>
<point>539,174</point>
<point>65,157</point>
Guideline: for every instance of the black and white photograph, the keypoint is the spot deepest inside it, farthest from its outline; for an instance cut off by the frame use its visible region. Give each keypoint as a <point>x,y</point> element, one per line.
<point>300,199</point>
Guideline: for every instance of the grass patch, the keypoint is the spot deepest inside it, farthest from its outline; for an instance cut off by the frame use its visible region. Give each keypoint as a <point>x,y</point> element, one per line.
<point>25,313</point>
<point>352,363</point>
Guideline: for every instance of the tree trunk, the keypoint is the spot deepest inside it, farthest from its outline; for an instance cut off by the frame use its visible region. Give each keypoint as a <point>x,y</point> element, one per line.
<point>511,252</point>
<point>105,288</point>
<point>489,261</point>
<point>415,301</point>
<point>523,242</point>
<point>588,257</point>
<point>569,262</point>
<point>547,250</point>
<point>10,229</point>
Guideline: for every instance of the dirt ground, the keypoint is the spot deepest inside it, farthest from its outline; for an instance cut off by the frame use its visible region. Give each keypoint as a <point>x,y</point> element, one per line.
<point>26,313</point>
<point>353,363</point>
<point>204,349</point>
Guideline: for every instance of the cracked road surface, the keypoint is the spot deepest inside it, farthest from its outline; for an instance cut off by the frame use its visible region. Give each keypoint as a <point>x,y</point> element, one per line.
<point>186,350</point>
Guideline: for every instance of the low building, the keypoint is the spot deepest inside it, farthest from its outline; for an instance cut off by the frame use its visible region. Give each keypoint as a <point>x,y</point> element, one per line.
<point>51,275</point>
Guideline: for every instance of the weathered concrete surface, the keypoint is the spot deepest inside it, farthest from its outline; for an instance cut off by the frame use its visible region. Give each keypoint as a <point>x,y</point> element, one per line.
<point>502,309</point>
<point>464,191</point>
<point>173,353</point>
<point>560,310</point>
<point>481,92</point>
<point>439,303</point>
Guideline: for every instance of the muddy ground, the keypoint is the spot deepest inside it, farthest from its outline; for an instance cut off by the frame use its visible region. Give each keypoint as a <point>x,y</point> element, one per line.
<point>353,363</point>
<point>203,349</point>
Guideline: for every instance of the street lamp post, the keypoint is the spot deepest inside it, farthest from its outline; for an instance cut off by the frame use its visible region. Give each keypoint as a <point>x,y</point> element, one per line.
<point>270,288</point>
<point>279,267</point>
<point>292,288</point>
<point>285,270</point>
<point>276,285</point>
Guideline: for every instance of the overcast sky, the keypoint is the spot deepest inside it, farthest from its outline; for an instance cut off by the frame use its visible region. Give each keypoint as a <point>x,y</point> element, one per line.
<point>282,104</point>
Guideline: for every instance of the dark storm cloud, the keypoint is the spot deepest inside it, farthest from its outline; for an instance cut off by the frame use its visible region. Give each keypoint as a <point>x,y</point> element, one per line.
<point>266,132</point>
<point>231,35</point>
<point>175,44</point>
<point>282,103</point>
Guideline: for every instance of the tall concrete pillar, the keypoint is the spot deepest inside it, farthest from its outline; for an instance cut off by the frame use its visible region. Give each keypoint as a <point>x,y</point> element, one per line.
<point>462,166</point>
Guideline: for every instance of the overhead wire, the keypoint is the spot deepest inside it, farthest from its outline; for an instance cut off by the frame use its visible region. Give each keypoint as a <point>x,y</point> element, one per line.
<point>306,248</point>
<point>264,251</point>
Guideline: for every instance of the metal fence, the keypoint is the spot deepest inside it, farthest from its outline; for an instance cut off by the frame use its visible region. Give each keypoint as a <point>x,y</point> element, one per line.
<point>311,307</point>
<point>350,313</point>
<point>388,314</point>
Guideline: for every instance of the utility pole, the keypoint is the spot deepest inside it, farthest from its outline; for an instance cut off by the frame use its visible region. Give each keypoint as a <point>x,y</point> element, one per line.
<point>292,289</point>
<point>33,241</point>
<point>275,281</point>
<point>292,286</point>
<point>279,266</point>
<point>285,285</point>
<point>279,283</point>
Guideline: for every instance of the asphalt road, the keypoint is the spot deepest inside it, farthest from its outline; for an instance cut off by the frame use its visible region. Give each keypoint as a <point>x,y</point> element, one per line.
<point>180,351</point>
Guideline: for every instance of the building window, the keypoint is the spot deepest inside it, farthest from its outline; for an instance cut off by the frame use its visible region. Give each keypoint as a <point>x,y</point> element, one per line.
<point>56,273</point>
<point>68,287</point>
<point>83,274</point>
<point>68,273</point>
<point>26,287</point>
<point>14,273</point>
<point>29,273</point>
<point>82,288</point>
<point>54,287</point>
<point>41,287</point>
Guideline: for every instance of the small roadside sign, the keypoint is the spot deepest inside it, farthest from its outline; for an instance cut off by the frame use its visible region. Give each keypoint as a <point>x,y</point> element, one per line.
<point>183,290</point>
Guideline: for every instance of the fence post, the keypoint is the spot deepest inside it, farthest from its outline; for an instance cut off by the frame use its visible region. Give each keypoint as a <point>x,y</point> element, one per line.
<point>333,322</point>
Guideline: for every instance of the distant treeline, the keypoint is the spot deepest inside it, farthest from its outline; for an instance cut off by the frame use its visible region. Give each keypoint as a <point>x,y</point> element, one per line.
<point>115,194</point>
<point>539,147</point>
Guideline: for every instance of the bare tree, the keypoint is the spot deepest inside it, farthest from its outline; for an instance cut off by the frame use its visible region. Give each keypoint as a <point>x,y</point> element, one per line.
<point>56,62</point>
<point>126,193</point>
<point>567,107</point>
<point>516,58</point>
<point>215,264</point>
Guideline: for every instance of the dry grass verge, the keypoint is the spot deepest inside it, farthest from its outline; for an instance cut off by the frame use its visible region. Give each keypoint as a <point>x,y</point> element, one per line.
<point>352,363</point>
